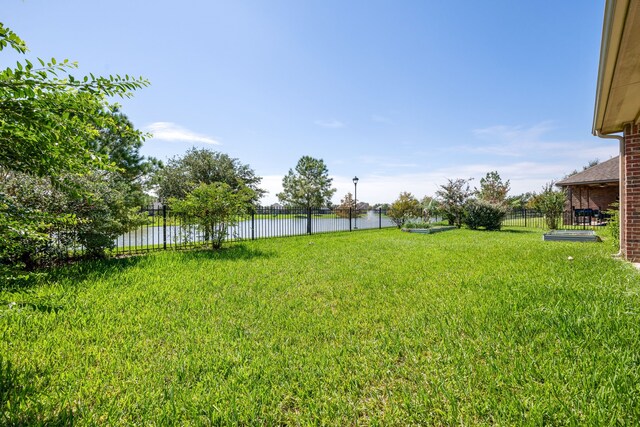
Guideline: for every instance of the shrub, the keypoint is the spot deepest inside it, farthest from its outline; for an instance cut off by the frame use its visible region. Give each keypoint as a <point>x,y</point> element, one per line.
<point>614,222</point>
<point>481,213</point>
<point>404,209</point>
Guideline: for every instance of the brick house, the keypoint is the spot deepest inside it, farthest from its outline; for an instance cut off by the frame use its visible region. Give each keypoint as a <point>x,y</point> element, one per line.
<point>594,189</point>
<point>617,110</point>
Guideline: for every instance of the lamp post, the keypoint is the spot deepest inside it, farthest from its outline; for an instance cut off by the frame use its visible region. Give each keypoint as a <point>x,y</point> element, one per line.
<point>355,202</point>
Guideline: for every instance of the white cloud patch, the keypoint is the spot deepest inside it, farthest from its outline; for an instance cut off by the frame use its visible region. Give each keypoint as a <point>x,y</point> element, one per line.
<point>331,124</point>
<point>167,131</point>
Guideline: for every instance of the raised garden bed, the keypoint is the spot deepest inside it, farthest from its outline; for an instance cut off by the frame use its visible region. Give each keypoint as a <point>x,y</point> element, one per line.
<point>430,230</point>
<point>571,236</point>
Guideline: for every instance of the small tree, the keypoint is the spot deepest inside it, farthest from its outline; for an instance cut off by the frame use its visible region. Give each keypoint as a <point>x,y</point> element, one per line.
<point>493,189</point>
<point>347,206</point>
<point>308,186</point>
<point>404,209</point>
<point>214,208</point>
<point>550,203</point>
<point>453,195</point>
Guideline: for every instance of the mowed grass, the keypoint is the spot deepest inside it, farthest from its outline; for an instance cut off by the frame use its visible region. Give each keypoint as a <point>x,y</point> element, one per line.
<point>367,328</point>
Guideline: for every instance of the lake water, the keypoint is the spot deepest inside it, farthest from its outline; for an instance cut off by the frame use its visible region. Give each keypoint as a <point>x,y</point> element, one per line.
<point>279,225</point>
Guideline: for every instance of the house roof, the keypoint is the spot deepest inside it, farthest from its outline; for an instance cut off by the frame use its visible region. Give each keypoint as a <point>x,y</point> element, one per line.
<point>601,173</point>
<point>618,86</point>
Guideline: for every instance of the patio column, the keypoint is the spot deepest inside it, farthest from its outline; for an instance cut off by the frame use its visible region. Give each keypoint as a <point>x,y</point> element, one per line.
<point>630,194</point>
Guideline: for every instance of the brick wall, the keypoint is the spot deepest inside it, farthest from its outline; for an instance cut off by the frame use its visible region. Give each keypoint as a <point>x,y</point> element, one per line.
<point>630,243</point>
<point>595,197</point>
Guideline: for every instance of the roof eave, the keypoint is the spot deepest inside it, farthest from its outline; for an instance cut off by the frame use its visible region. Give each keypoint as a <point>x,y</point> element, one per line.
<point>612,29</point>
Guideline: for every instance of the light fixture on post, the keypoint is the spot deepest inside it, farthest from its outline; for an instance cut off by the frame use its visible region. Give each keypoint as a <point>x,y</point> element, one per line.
<point>355,202</point>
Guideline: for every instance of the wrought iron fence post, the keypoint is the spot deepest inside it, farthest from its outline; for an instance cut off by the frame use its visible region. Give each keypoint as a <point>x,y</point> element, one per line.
<point>253,224</point>
<point>164,226</point>
<point>380,218</point>
<point>525,216</point>
<point>308,220</point>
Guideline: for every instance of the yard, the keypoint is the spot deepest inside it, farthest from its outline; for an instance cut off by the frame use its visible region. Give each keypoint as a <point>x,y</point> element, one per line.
<point>375,327</point>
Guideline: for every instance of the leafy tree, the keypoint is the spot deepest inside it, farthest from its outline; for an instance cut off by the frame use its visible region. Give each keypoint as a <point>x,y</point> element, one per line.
<point>183,174</point>
<point>550,203</point>
<point>452,196</point>
<point>214,207</point>
<point>47,116</point>
<point>492,188</point>
<point>405,208</point>
<point>308,186</point>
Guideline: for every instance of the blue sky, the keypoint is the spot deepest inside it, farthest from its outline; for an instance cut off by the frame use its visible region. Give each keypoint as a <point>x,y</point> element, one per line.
<point>403,94</point>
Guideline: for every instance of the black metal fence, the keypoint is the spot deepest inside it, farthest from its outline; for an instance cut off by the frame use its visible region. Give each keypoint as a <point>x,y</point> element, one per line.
<point>165,230</point>
<point>583,219</point>
<point>162,229</point>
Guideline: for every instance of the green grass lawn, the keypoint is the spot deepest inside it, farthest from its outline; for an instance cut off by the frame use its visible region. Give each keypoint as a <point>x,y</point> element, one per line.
<point>370,328</point>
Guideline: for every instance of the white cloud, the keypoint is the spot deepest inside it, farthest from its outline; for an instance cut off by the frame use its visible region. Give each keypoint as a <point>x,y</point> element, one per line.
<point>331,124</point>
<point>167,131</point>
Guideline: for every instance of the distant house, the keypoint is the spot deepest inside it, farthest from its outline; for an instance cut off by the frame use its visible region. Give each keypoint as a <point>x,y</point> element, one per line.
<point>595,188</point>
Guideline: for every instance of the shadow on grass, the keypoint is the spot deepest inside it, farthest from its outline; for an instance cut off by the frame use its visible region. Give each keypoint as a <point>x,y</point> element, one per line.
<point>17,390</point>
<point>78,272</point>
<point>237,252</point>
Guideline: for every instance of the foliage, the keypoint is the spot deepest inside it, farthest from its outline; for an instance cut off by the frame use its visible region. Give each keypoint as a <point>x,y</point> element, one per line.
<point>452,197</point>
<point>183,174</point>
<point>493,189</point>
<point>214,207</point>
<point>416,223</point>
<point>373,328</point>
<point>590,164</point>
<point>405,208</point>
<point>430,207</point>
<point>54,128</point>
<point>484,214</point>
<point>308,186</point>
<point>521,201</point>
<point>46,120</point>
<point>614,221</point>
<point>91,211</point>
<point>550,203</point>
<point>347,207</point>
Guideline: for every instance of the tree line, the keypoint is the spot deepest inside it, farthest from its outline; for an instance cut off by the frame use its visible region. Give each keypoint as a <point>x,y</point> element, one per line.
<point>482,207</point>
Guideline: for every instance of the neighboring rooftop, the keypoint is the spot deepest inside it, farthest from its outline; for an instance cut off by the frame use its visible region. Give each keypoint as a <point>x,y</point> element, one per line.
<point>601,173</point>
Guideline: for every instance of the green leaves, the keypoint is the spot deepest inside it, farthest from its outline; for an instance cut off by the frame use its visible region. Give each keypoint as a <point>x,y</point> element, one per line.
<point>309,186</point>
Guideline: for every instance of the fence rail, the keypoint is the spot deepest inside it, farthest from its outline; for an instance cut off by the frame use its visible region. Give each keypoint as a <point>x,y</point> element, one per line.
<point>582,219</point>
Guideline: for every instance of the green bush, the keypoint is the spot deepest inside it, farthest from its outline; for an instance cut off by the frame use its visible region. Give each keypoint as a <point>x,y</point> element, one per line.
<point>484,214</point>
<point>614,222</point>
